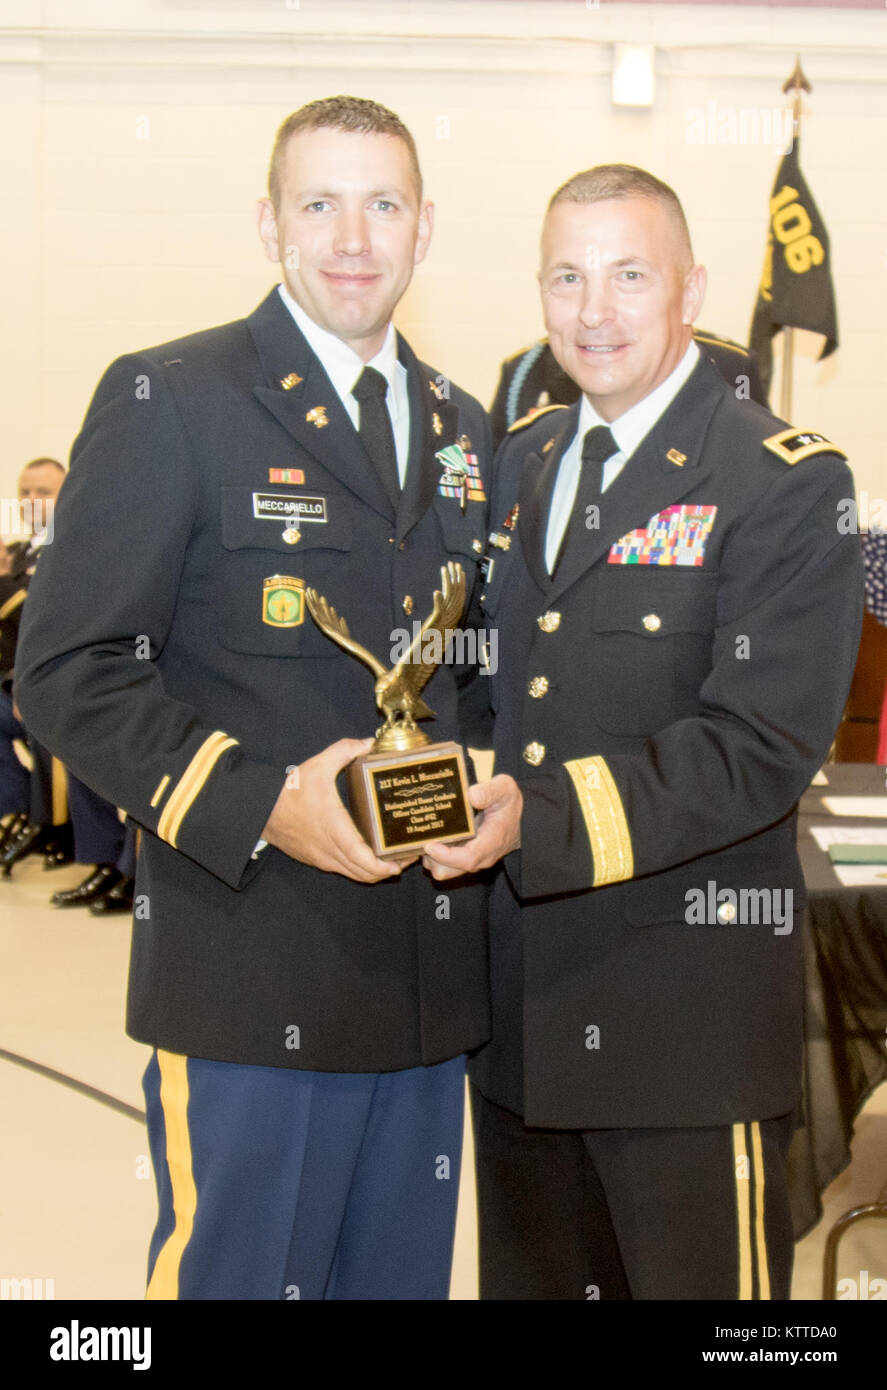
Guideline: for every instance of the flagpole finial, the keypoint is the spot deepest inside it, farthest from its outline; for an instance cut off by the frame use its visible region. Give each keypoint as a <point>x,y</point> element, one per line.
<point>797,82</point>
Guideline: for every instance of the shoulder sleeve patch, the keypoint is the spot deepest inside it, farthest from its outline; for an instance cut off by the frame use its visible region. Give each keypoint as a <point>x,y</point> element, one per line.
<point>793,445</point>
<point>534,415</point>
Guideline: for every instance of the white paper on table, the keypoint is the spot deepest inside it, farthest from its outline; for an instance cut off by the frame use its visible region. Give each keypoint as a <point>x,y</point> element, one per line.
<point>874,807</point>
<point>826,835</point>
<point>862,875</point>
<point>820,780</point>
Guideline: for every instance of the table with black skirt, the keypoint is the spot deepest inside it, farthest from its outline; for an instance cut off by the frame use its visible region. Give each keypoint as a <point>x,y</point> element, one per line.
<point>845,949</point>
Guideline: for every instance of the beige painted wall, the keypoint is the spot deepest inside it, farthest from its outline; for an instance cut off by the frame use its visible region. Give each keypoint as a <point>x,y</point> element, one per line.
<point>134,139</point>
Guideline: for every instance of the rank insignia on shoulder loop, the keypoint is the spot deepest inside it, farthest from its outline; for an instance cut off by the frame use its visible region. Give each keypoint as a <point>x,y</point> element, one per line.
<point>283,601</point>
<point>317,417</point>
<point>676,457</point>
<point>793,445</point>
<point>290,380</point>
<point>286,475</point>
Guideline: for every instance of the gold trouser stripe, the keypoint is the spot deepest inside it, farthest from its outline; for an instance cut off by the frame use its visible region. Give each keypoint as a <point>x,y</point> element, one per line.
<point>161,788</point>
<point>743,1209</point>
<point>760,1237</point>
<point>190,785</point>
<point>13,603</point>
<point>164,1282</point>
<point>59,793</point>
<point>605,820</point>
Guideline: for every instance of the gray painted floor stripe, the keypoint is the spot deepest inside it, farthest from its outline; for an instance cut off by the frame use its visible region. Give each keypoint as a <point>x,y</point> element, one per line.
<point>94,1094</point>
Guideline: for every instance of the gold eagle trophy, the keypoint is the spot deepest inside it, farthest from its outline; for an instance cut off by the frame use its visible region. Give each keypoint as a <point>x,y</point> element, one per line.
<point>407,792</point>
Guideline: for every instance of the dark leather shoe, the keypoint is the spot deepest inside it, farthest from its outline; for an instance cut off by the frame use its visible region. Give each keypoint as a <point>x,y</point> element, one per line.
<point>102,878</point>
<point>59,847</point>
<point>13,828</point>
<point>31,840</point>
<point>117,899</point>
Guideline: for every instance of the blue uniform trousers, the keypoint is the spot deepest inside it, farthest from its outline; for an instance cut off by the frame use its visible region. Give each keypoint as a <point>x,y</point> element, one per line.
<point>98,832</point>
<point>282,1184</point>
<point>15,791</point>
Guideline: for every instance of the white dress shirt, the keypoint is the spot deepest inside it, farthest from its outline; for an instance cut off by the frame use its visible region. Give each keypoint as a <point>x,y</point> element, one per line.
<point>343,367</point>
<point>628,431</point>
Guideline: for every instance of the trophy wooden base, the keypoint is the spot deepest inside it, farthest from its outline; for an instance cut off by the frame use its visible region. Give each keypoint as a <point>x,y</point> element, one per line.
<point>402,801</point>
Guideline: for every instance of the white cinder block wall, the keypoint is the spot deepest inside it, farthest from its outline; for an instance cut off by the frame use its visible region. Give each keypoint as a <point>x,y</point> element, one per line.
<point>135,139</point>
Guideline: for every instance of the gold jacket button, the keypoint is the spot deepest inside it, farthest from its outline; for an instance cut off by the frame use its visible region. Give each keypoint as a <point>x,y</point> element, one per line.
<point>534,753</point>
<point>726,913</point>
<point>478,547</point>
<point>407,604</point>
<point>292,537</point>
<point>538,687</point>
<point>652,622</point>
<point>550,621</point>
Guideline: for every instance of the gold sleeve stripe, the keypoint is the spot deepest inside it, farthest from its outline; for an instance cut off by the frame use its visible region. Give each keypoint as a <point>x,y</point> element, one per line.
<point>743,1211</point>
<point>162,786</point>
<point>190,785</point>
<point>605,820</point>
<point>13,603</point>
<point>164,1282</point>
<point>760,1237</point>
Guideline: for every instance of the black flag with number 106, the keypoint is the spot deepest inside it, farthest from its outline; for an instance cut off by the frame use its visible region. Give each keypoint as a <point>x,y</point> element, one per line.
<point>796,283</point>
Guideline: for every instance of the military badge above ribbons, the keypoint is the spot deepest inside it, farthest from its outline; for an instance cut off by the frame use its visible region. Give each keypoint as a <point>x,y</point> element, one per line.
<point>461,476</point>
<point>675,536</point>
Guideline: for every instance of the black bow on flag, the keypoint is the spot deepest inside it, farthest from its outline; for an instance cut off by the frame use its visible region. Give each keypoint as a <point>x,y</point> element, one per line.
<point>796,284</point>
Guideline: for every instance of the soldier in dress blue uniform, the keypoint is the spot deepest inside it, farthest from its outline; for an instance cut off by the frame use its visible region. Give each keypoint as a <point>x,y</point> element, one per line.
<point>678,616</point>
<point>533,378</point>
<point>309,1005</point>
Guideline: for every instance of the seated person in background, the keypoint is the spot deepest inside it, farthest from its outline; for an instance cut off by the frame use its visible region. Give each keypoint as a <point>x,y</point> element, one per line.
<point>532,379</point>
<point>36,804</point>
<point>38,488</point>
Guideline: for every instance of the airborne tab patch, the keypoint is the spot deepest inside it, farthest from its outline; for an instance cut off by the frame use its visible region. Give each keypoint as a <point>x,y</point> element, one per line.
<point>793,445</point>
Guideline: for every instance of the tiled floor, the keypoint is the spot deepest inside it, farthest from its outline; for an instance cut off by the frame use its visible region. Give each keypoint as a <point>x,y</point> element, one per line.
<point>76,1194</point>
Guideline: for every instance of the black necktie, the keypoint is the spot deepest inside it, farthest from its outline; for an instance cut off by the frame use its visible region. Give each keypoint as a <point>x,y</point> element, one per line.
<point>597,446</point>
<point>375,430</point>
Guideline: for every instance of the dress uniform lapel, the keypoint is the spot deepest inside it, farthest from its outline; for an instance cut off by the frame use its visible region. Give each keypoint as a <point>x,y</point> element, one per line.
<point>537,484</point>
<point>303,400</point>
<point>434,422</point>
<point>663,469</point>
